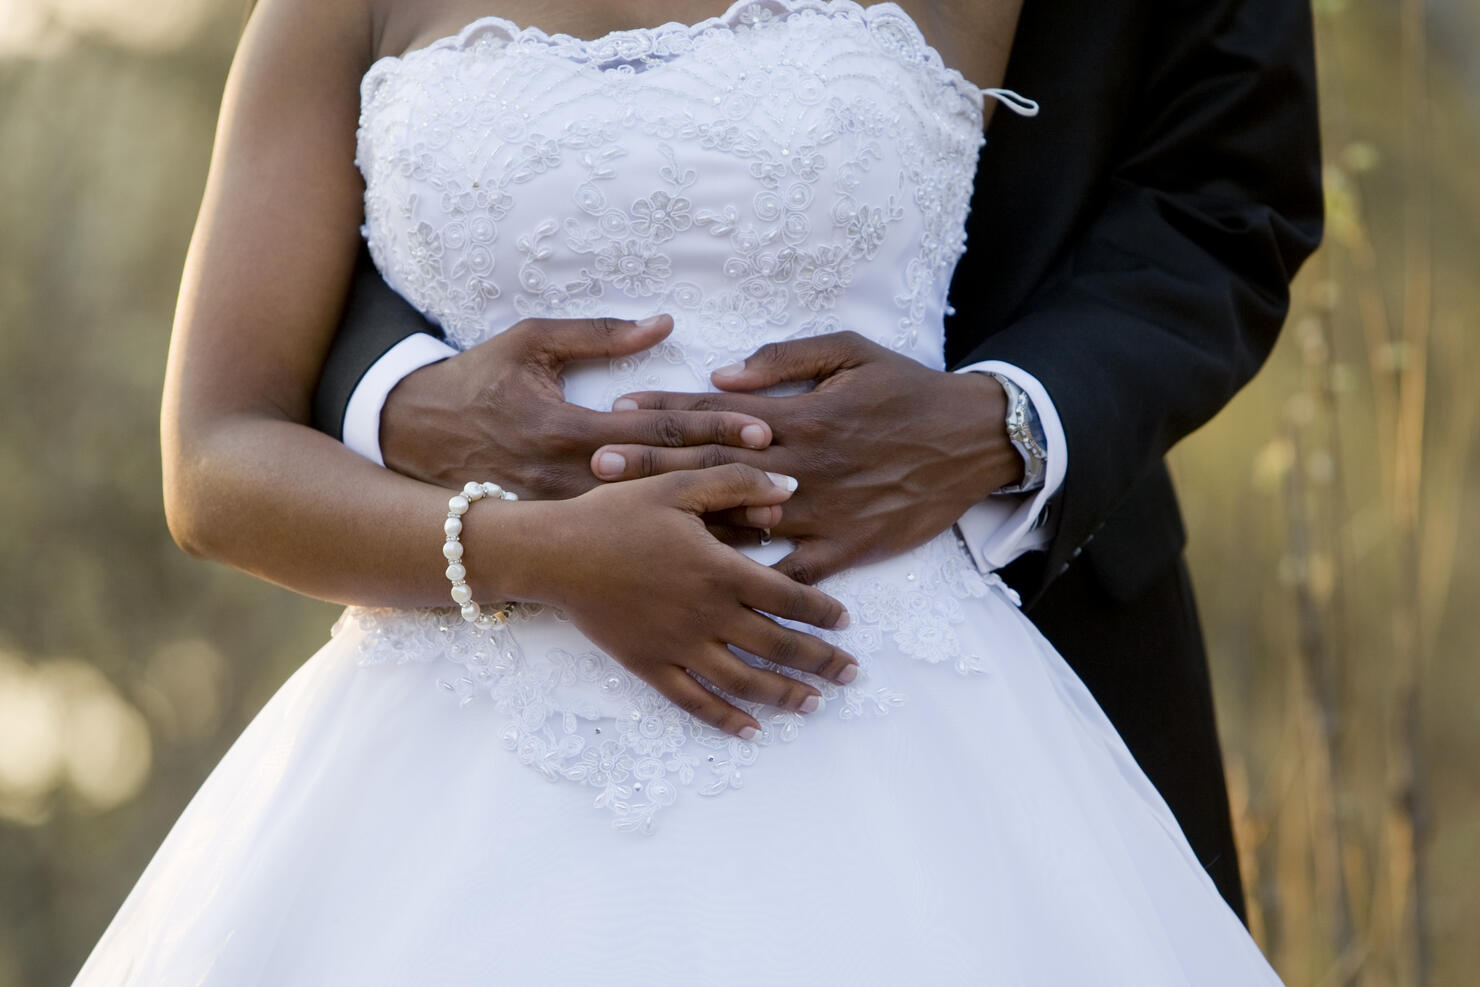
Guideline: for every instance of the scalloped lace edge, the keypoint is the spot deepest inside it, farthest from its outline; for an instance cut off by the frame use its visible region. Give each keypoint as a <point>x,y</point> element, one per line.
<point>732,19</point>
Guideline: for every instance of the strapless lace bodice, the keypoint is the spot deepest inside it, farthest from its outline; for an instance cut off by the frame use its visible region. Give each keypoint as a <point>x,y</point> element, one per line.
<point>790,168</point>
<point>786,169</point>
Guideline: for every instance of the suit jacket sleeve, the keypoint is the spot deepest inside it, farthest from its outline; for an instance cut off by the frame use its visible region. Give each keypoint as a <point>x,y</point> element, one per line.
<point>375,319</point>
<point>1168,291</point>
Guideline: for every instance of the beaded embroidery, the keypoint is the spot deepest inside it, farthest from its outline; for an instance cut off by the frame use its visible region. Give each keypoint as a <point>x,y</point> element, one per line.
<point>751,175</point>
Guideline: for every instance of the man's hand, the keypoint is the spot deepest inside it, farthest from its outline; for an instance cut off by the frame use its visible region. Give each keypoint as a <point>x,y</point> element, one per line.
<point>498,410</point>
<point>889,452</point>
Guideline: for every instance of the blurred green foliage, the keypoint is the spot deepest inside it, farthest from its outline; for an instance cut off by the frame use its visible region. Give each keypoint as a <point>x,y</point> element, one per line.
<point>126,669</point>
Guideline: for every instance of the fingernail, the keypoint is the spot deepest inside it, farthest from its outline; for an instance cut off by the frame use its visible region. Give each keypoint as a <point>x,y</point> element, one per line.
<point>611,463</point>
<point>841,624</point>
<point>748,733</point>
<point>787,483</point>
<point>753,436</point>
<point>624,404</point>
<point>729,371</point>
<point>847,675</point>
<point>812,704</point>
<point>649,322</point>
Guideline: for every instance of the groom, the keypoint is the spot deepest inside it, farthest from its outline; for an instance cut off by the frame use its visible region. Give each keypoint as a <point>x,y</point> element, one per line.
<point>1130,253</point>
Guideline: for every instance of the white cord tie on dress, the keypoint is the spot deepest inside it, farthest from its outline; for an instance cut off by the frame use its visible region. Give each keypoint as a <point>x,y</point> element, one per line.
<point>1021,105</point>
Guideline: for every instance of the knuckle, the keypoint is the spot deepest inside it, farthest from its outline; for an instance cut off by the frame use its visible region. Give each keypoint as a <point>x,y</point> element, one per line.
<point>563,433</point>
<point>798,602</point>
<point>548,480</point>
<point>793,694</point>
<point>668,430</point>
<point>605,325</point>
<point>740,682</point>
<point>496,403</point>
<point>786,648</point>
<point>649,461</point>
<point>743,477</point>
<point>711,456</point>
<point>825,610</point>
<point>690,702</point>
<point>802,571</point>
<point>812,428</point>
<point>675,488</point>
<point>833,663</point>
<point>707,402</point>
<point>770,352</point>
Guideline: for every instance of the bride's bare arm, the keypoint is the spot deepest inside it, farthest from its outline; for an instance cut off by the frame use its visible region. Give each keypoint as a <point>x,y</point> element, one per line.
<point>248,483</point>
<point>267,264</point>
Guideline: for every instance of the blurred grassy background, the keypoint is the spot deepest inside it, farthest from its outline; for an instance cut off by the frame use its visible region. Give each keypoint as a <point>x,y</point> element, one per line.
<point>1331,506</point>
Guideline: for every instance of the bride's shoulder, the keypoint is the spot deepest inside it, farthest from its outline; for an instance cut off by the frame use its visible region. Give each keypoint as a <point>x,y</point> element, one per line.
<point>401,25</point>
<point>341,32</point>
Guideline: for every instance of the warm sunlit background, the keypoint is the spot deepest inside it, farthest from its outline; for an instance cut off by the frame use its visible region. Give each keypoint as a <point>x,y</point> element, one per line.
<point>1332,506</point>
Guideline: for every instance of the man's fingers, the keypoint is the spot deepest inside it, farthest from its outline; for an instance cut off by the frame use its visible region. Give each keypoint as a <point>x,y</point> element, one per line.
<point>629,462</point>
<point>751,518</point>
<point>744,525</point>
<point>736,536</point>
<point>795,360</point>
<point>674,429</point>
<point>743,404</point>
<point>561,341</point>
<point>813,560</point>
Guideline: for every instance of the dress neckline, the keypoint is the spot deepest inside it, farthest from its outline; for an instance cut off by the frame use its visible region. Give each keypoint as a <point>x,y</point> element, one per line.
<point>609,48</point>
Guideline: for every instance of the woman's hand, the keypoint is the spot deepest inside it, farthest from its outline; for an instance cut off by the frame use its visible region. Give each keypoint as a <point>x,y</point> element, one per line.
<point>636,570</point>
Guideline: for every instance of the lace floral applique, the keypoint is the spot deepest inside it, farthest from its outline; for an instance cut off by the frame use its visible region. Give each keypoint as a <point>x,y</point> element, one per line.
<point>582,717</point>
<point>791,168</point>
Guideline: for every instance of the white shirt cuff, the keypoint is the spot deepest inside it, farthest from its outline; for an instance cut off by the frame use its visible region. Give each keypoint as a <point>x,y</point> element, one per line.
<point>998,529</point>
<point>362,414</point>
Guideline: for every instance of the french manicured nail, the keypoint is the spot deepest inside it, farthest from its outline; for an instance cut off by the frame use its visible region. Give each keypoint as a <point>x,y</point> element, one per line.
<point>649,322</point>
<point>847,675</point>
<point>841,624</point>
<point>812,704</point>
<point>624,404</point>
<point>787,483</point>
<point>748,733</point>
<point>753,436</point>
<point>611,463</point>
<point>729,370</point>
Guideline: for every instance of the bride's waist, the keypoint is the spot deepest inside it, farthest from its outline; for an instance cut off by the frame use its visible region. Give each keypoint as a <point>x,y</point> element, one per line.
<point>923,589</point>
<point>702,342</point>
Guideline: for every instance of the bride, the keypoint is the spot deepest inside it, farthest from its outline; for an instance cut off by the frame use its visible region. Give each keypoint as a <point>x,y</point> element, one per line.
<point>667,762</point>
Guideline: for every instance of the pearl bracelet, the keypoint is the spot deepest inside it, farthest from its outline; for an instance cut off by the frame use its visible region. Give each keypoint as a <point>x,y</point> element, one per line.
<point>452,550</point>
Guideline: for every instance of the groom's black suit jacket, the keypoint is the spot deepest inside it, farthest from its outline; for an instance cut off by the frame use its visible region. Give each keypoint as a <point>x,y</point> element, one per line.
<point>1132,248</point>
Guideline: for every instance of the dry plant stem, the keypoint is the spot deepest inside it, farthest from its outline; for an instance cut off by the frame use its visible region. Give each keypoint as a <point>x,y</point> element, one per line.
<point>1354,949</point>
<point>1449,436</point>
<point>1409,793</point>
<point>1398,363</point>
<point>1320,714</point>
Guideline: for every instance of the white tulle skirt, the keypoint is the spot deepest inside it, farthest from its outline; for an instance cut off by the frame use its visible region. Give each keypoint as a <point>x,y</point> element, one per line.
<point>367,829</point>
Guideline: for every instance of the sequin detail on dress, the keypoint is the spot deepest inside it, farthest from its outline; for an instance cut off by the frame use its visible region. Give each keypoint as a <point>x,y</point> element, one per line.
<point>788,169</point>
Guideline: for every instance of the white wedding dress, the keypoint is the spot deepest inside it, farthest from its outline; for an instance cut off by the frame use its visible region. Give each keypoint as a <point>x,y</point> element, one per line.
<point>420,805</point>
